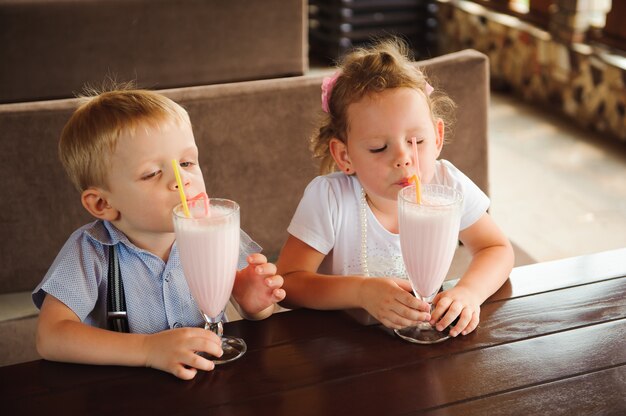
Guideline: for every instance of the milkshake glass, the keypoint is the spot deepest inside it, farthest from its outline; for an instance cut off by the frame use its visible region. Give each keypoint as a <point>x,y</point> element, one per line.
<point>208,244</point>
<point>429,234</point>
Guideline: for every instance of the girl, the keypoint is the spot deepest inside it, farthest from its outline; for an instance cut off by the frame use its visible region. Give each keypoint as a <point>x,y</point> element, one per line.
<point>343,250</point>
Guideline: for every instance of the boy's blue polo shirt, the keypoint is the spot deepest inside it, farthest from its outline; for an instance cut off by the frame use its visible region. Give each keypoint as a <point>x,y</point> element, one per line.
<point>157,295</point>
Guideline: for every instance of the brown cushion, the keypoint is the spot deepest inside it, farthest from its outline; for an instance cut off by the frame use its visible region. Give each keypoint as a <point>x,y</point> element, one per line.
<point>50,49</point>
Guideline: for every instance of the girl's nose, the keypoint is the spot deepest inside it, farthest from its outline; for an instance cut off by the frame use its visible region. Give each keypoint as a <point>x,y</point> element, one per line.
<point>403,158</point>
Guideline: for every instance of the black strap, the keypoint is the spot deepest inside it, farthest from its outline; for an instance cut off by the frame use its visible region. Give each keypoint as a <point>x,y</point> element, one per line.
<point>116,302</point>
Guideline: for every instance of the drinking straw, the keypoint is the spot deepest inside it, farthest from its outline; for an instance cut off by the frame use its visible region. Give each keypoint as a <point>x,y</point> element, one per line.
<point>418,188</point>
<point>416,178</point>
<point>202,196</point>
<point>181,191</point>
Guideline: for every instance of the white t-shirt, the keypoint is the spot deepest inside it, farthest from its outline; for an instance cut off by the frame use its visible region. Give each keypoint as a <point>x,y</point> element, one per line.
<point>328,219</point>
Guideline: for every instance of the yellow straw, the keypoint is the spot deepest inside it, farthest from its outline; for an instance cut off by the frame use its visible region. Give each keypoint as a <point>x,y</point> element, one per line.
<point>181,191</point>
<point>416,178</point>
<point>418,189</point>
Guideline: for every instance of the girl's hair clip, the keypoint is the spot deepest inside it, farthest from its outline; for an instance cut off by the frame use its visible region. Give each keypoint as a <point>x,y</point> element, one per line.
<point>329,83</point>
<point>428,89</point>
<point>327,88</point>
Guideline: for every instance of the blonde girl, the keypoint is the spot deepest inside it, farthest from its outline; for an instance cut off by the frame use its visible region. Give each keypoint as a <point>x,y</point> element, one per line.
<point>343,249</point>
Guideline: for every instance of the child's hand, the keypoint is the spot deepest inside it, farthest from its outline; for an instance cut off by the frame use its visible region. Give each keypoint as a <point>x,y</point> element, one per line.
<point>258,288</point>
<point>453,303</point>
<point>174,351</point>
<point>390,301</point>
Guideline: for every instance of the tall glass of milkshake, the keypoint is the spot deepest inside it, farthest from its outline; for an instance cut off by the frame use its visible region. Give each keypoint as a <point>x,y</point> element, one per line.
<point>429,234</point>
<point>208,243</point>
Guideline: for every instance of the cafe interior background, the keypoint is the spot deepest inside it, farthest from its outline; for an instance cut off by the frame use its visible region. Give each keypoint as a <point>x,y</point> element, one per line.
<point>557,116</point>
<point>557,126</point>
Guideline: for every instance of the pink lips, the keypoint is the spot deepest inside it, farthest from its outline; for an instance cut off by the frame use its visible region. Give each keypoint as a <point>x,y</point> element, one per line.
<point>403,182</point>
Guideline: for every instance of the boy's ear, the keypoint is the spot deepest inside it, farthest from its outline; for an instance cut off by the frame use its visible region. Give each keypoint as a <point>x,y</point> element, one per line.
<point>339,152</point>
<point>440,130</point>
<point>95,202</point>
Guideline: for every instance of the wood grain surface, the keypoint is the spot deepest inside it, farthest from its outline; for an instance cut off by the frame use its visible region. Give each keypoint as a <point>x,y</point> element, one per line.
<point>550,341</point>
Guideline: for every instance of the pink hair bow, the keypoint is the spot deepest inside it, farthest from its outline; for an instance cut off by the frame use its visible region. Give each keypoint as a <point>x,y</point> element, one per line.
<point>428,89</point>
<point>327,88</point>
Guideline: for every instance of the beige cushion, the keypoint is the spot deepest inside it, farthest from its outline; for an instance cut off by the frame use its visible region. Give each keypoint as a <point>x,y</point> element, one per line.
<point>17,341</point>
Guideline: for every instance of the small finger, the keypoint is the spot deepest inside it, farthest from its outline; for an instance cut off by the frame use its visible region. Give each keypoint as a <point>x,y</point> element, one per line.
<point>440,308</point>
<point>207,336</point>
<point>274,281</point>
<point>394,324</point>
<point>412,314</point>
<point>399,321</point>
<point>453,311</point>
<point>437,297</point>
<point>473,324</point>
<point>425,307</point>
<point>267,269</point>
<point>256,258</point>
<point>211,345</point>
<point>410,301</point>
<point>184,373</point>
<point>464,320</point>
<point>278,295</point>
<point>199,362</point>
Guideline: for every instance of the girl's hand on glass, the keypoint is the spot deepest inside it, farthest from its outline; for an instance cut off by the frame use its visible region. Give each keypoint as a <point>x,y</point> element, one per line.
<point>258,287</point>
<point>460,303</point>
<point>390,301</point>
<point>174,351</point>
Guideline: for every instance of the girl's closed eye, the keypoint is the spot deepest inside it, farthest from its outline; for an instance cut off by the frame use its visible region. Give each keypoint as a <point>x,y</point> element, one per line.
<point>378,150</point>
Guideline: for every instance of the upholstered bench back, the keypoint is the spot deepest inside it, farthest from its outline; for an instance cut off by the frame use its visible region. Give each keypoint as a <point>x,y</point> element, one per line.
<point>50,49</point>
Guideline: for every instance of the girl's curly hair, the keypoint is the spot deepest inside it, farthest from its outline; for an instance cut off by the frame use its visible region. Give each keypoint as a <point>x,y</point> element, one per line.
<point>385,64</point>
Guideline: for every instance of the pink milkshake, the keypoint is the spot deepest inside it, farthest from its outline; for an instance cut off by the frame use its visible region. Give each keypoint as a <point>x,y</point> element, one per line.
<point>209,250</point>
<point>429,234</point>
<point>208,244</point>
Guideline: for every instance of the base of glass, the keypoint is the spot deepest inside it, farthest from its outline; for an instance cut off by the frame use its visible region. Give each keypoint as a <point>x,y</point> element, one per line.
<point>233,348</point>
<point>423,333</point>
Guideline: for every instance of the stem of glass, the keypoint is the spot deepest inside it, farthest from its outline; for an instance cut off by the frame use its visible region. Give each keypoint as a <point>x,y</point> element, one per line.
<point>429,300</point>
<point>214,324</point>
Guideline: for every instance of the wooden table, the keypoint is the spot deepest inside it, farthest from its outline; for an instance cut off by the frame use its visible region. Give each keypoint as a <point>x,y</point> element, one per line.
<point>550,341</point>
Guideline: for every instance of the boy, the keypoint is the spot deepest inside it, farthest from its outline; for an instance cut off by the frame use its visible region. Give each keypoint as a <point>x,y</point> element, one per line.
<point>117,149</point>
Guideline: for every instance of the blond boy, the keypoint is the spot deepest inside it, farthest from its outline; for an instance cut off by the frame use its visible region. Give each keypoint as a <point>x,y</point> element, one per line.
<point>117,149</point>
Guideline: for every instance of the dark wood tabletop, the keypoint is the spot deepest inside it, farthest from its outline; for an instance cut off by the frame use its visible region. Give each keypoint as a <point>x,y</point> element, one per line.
<point>552,340</point>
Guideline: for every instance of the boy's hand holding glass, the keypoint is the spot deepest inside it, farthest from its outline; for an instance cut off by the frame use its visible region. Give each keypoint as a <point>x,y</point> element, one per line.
<point>258,288</point>
<point>175,351</point>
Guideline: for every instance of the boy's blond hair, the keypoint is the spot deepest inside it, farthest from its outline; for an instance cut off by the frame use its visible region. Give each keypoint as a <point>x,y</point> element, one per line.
<point>384,65</point>
<point>90,136</point>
